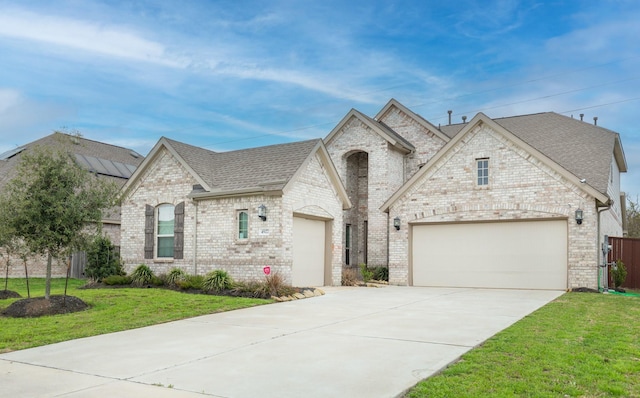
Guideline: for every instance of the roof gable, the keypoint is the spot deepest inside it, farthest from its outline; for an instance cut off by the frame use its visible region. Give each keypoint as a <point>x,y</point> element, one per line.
<point>267,169</point>
<point>393,103</point>
<point>459,138</point>
<point>379,128</point>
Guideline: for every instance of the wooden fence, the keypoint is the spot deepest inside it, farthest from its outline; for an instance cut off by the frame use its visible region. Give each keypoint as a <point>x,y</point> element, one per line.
<point>79,262</point>
<point>628,251</point>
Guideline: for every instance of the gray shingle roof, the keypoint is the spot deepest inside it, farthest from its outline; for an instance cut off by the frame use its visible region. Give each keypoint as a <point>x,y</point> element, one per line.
<point>80,146</point>
<point>581,148</point>
<point>77,145</point>
<point>263,168</point>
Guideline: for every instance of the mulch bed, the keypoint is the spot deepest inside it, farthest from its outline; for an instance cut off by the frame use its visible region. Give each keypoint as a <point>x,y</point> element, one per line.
<point>39,306</point>
<point>7,294</point>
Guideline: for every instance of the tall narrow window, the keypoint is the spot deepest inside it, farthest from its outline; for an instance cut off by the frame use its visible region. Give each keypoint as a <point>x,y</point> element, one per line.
<point>483,171</point>
<point>165,231</point>
<point>365,241</point>
<point>243,225</point>
<point>347,244</point>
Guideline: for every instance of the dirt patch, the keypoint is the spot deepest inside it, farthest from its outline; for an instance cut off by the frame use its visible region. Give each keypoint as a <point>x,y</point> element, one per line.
<point>35,307</point>
<point>584,290</point>
<point>7,294</point>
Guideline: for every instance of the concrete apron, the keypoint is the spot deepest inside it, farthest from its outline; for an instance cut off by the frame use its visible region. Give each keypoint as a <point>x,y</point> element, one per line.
<point>352,342</point>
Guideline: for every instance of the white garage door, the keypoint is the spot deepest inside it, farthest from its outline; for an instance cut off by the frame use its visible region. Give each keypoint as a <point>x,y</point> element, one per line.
<point>308,252</point>
<point>523,254</point>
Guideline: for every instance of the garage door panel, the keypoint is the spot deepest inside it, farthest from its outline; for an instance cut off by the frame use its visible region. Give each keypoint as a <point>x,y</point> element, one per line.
<point>308,252</point>
<point>530,255</point>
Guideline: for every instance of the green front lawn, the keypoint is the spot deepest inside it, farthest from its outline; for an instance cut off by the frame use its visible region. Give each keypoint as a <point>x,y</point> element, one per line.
<point>580,345</point>
<point>111,310</point>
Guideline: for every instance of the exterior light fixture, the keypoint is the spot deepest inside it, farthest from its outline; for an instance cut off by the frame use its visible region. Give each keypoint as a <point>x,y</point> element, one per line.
<point>579,216</point>
<point>396,223</point>
<point>262,212</point>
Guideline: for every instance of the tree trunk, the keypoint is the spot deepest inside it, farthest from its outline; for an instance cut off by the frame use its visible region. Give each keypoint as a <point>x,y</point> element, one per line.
<point>47,285</point>
<point>6,277</point>
<point>26,277</point>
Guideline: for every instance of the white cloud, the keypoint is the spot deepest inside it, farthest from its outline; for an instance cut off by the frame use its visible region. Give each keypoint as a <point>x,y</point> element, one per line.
<point>85,36</point>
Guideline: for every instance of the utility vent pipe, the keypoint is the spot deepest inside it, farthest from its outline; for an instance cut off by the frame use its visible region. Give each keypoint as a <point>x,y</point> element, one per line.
<point>581,116</point>
<point>595,120</point>
<point>464,119</point>
<point>449,112</point>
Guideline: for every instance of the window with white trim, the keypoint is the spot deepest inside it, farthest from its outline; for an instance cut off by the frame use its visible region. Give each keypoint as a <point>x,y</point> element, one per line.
<point>165,230</point>
<point>483,171</point>
<point>243,224</point>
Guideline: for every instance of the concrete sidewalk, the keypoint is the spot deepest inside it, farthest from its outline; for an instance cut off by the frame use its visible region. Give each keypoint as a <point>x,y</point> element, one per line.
<point>352,342</point>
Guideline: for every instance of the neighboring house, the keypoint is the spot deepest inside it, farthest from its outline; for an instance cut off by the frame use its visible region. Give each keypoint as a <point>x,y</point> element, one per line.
<point>107,161</point>
<point>278,206</point>
<point>517,202</point>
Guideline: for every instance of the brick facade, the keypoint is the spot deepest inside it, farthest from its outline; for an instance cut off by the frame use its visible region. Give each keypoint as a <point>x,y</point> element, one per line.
<point>212,241</point>
<point>520,187</point>
<point>372,170</point>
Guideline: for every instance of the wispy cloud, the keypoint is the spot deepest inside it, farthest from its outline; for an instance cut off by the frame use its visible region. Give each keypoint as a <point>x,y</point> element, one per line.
<point>92,37</point>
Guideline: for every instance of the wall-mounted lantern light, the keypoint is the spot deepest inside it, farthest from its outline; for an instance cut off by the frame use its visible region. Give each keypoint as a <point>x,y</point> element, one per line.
<point>579,216</point>
<point>396,223</point>
<point>262,212</point>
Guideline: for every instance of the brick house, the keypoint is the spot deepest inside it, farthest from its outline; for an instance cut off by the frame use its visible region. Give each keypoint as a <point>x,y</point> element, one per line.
<point>111,162</point>
<point>278,206</point>
<point>517,202</point>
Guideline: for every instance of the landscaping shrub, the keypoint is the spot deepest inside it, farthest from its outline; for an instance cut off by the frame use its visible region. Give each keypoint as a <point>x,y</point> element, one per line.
<point>274,285</point>
<point>618,274</point>
<point>380,273</point>
<point>142,275</point>
<point>174,276</point>
<point>248,289</point>
<point>217,280</point>
<point>349,277</point>
<point>191,282</point>
<point>102,259</point>
<point>117,280</point>
<point>366,273</point>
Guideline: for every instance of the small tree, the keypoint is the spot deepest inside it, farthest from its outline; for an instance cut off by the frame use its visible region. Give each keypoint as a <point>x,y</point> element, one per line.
<point>55,206</point>
<point>102,259</point>
<point>618,274</point>
<point>633,218</point>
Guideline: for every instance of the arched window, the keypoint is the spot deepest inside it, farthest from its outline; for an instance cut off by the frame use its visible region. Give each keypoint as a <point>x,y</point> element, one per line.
<point>165,230</point>
<point>243,224</point>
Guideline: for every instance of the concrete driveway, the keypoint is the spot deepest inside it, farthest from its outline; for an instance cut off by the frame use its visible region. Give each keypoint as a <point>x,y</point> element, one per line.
<point>351,342</point>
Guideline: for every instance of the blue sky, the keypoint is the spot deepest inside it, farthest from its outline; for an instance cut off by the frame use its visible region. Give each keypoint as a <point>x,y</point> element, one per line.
<point>236,74</point>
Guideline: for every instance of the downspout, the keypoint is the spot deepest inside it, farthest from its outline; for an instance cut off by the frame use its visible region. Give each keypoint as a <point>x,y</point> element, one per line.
<point>598,246</point>
<point>388,240</point>
<point>195,240</point>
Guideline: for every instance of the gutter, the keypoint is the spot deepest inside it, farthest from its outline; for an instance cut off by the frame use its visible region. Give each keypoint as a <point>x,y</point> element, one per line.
<point>195,240</point>
<point>234,193</point>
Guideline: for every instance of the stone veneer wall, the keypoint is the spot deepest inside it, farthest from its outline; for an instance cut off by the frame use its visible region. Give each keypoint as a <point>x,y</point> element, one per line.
<point>520,187</point>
